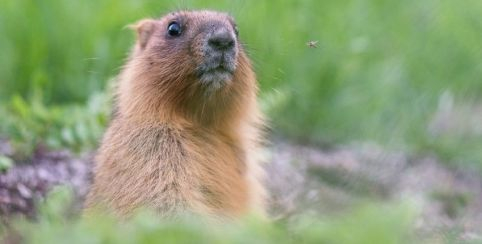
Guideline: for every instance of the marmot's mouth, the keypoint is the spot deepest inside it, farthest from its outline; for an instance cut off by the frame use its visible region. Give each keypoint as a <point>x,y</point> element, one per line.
<point>221,68</point>
<point>216,77</point>
<point>216,73</point>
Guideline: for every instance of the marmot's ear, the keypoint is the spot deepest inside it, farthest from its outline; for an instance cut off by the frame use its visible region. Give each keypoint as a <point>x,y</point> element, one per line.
<point>144,29</point>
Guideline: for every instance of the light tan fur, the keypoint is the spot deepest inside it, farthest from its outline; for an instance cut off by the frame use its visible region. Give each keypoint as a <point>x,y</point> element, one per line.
<point>173,146</point>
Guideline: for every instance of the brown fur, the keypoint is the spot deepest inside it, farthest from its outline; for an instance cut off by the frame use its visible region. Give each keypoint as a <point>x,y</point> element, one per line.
<point>172,145</point>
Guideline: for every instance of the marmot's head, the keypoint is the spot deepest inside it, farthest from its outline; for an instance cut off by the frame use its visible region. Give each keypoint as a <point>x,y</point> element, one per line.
<point>188,62</point>
<point>197,44</point>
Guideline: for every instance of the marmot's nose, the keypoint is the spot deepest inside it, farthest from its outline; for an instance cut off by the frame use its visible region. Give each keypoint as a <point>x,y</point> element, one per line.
<point>221,41</point>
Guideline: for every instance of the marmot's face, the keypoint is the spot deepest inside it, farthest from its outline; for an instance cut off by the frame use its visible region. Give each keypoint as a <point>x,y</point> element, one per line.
<point>199,44</point>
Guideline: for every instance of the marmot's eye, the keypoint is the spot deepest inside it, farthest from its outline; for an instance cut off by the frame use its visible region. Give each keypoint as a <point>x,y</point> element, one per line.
<point>174,29</point>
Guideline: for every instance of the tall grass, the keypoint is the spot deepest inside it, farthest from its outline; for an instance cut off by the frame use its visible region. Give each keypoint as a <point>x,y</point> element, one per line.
<point>379,72</point>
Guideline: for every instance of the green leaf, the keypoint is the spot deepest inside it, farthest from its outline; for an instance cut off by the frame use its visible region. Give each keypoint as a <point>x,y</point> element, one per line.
<point>20,106</point>
<point>5,163</point>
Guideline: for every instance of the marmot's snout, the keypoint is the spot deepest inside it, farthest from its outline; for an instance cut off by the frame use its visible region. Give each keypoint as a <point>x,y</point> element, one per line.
<point>220,56</point>
<point>221,40</point>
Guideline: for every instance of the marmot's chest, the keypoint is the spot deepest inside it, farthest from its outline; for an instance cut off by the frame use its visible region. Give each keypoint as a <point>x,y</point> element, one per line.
<point>200,172</point>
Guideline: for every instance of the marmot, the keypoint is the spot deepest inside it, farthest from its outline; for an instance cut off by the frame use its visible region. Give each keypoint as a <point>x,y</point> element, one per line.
<point>186,125</point>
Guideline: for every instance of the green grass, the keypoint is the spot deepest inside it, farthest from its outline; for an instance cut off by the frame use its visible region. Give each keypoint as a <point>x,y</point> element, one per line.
<point>368,223</point>
<point>378,73</point>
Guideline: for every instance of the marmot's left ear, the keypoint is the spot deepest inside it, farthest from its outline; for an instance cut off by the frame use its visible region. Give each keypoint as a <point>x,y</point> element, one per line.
<point>144,29</point>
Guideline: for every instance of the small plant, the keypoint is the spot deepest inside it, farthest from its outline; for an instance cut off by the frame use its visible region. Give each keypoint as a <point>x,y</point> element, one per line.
<point>5,163</point>
<point>28,124</point>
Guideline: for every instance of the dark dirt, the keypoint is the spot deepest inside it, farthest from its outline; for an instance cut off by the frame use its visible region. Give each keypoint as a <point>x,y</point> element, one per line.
<point>301,178</point>
<point>22,186</point>
<point>305,178</point>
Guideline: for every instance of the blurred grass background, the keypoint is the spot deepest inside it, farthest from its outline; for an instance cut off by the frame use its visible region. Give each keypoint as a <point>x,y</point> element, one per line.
<point>383,70</point>
<point>404,74</point>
